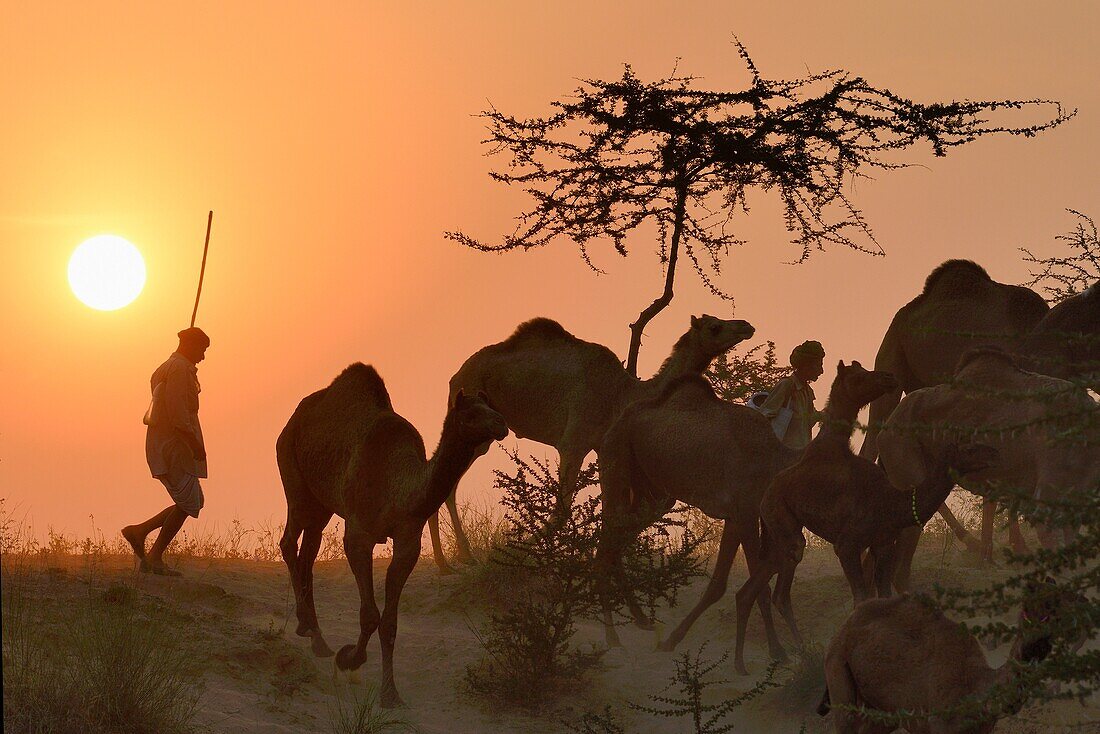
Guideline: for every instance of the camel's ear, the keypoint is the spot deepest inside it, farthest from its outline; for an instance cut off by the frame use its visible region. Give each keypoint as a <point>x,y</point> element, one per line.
<point>840,366</point>
<point>460,398</point>
<point>694,321</point>
<point>483,397</point>
<point>857,364</point>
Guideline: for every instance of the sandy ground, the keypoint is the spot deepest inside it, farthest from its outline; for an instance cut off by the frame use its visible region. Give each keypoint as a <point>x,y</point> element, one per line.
<point>260,678</point>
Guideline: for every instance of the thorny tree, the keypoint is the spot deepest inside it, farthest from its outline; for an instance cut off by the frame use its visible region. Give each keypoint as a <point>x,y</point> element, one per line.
<point>620,154</point>
<point>1064,276</point>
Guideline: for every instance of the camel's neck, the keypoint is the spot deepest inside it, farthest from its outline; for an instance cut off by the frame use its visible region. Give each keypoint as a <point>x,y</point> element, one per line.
<point>686,359</point>
<point>838,421</point>
<point>443,471</point>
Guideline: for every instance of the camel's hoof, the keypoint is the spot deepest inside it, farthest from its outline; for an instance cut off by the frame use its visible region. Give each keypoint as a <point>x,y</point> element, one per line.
<point>741,669</point>
<point>320,647</point>
<point>780,655</point>
<point>644,624</point>
<point>346,659</point>
<point>666,646</point>
<point>446,571</point>
<point>304,630</point>
<point>469,560</point>
<point>611,638</point>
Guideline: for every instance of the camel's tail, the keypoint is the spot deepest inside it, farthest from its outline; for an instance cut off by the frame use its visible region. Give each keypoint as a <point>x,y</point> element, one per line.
<point>823,707</point>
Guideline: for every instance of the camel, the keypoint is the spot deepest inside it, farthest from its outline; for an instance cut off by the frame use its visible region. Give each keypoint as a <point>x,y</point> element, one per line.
<point>345,451</point>
<point>1066,341</point>
<point>562,391</point>
<point>902,655</point>
<point>1022,414</point>
<point>961,307</point>
<point>844,499</point>
<point>686,444</point>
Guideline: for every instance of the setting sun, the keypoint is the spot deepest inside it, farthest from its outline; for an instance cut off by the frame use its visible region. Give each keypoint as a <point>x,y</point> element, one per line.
<point>106,272</point>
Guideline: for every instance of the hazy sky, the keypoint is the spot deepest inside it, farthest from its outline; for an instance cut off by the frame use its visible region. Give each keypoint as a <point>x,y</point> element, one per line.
<point>337,141</point>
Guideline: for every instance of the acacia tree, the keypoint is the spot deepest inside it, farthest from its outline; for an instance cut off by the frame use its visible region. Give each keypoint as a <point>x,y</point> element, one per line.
<point>1064,276</point>
<point>620,154</point>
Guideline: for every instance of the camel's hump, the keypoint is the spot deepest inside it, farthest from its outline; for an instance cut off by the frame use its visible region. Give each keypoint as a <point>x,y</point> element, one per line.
<point>540,327</point>
<point>362,379</point>
<point>956,274</point>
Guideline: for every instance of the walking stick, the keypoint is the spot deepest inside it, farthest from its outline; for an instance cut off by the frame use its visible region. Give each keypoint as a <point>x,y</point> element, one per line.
<point>202,271</point>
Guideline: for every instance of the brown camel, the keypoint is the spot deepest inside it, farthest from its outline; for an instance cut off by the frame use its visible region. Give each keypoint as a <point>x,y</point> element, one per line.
<point>559,390</point>
<point>688,445</point>
<point>1022,414</point>
<point>345,451</point>
<point>961,307</point>
<point>845,500</point>
<point>1066,342</point>
<point>901,655</point>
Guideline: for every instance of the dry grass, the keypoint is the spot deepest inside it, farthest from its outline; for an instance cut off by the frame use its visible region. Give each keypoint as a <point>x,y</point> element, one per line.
<point>104,663</point>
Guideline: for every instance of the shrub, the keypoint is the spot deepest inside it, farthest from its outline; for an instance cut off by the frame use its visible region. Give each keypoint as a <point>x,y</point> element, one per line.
<point>363,714</point>
<point>547,563</point>
<point>110,668</point>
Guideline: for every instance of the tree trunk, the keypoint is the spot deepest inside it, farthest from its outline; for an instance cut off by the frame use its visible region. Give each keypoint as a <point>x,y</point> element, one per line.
<point>665,298</point>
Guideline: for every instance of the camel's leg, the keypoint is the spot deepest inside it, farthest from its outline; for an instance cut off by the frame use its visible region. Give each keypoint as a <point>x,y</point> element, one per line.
<point>311,545</point>
<point>905,547</point>
<point>885,565</point>
<point>406,552</point>
<point>359,548</point>
<point>782,598</point>
<point>989,509</point>
<point>288,544</point>
<point>853,570</point>
<point>464,553</point>
<point>750,591</point>
<point>1015,537</point>
<point>437,545</point>
<point>972,544</point>
<point>570,461</point>
<point>620,526</point>
<point>727,550</point>
<point>752,543</point>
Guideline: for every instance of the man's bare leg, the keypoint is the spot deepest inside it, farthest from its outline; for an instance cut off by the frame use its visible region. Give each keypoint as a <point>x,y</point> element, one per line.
<point>170,525</point>
<point>135,534</point>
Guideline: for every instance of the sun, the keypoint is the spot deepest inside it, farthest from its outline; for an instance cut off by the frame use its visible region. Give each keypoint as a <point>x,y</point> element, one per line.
<point>106,272</point>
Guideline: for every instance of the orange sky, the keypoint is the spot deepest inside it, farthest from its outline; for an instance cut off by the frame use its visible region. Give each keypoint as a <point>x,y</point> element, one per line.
<point>336,142</point>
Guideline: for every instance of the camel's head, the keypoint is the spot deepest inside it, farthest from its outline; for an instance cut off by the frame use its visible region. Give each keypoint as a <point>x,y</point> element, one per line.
<point>859,386</point>
<point>713,336</point>
<point>475,421</point>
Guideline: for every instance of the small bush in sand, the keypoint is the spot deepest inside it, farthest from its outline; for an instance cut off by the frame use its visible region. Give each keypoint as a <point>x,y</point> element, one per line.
<point>685,696</point>
<point>108,668</point>
<point>485,529</point>
<point>804,681</point>
<point>546,575</point>
<point>363,714</point>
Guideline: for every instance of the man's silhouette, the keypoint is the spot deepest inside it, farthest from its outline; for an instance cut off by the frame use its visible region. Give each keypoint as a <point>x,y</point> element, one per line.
<point>174,448</point>
<point>790,405</point>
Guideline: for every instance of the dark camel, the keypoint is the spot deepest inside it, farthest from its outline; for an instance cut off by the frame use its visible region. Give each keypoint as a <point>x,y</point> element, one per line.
<point>901,655</point>
<point>960,308</point>
<point>845,500</point>
<point>1047,430</point>
<point>1066,342</point>
<point>562,391</point>
<point>345,451</point>
<point>688,445</point>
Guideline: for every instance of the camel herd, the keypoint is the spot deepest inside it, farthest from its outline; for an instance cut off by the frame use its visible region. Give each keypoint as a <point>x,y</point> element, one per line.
<point>670,438</point>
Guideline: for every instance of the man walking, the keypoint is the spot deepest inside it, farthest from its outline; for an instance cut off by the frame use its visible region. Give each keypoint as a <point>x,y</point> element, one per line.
<point>174,449</point>
<point>790,405</point>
